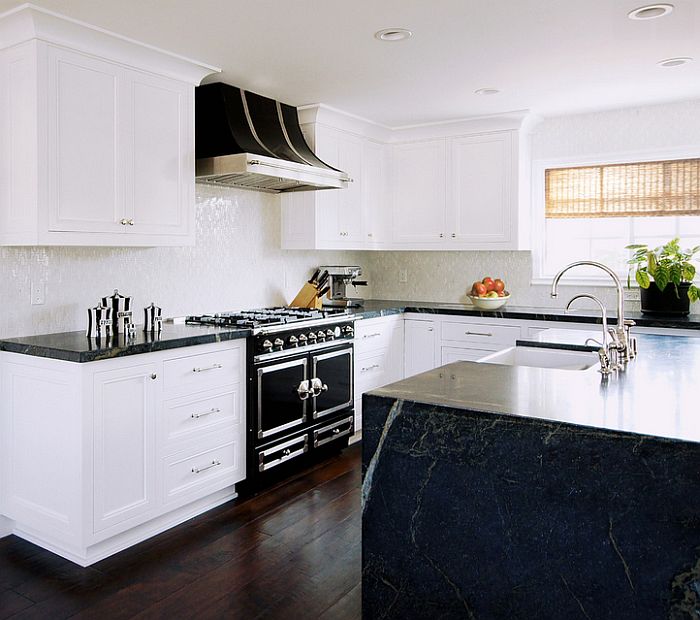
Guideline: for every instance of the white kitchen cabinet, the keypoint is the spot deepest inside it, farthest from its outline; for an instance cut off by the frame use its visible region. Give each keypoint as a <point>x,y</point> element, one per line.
<point>96,457</point>
<point>419,194</point>
<point>100,147</point>
<point>419,346</point>
<point>379,356</point>
<point>456,193</point>
<point>482,204</point>
<point>124,446</point>
<point>345,218</point>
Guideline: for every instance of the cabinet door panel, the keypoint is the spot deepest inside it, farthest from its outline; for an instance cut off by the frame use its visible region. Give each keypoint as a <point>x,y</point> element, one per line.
<point>161,160</point>
<point>84,189</point>
<point>350,199</point>
<point>418,204</point>
<point>481,203</point>
<point>419,346</point>
<point>124,444</point>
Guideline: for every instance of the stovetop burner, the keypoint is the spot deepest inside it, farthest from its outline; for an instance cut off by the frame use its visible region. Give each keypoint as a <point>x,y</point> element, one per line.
<point>248,319</point>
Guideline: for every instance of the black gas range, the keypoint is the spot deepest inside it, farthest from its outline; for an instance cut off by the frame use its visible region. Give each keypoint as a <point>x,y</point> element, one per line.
<point>300,386</point>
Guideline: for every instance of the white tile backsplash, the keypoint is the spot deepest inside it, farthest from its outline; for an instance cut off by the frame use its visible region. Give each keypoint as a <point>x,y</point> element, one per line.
<point>236,263</point>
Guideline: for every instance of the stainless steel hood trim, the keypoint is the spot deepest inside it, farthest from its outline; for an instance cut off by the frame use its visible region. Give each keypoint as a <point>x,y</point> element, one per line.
<point>253,142</point>
<point>266,174</point>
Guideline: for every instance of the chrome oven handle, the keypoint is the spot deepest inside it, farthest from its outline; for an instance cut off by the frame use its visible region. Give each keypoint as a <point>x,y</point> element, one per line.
<point>303,390</point>
<point>317,386</point>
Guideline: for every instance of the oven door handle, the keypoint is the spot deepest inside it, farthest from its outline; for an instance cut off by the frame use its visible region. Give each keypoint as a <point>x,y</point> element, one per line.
<point>303,390</point>
<point>318,386</point>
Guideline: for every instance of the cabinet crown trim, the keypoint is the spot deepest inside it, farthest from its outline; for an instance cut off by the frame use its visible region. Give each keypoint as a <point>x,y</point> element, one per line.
<point>28,21</point>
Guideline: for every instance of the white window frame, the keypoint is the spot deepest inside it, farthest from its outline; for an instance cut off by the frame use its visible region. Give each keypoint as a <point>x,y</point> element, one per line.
<point>538,199</point>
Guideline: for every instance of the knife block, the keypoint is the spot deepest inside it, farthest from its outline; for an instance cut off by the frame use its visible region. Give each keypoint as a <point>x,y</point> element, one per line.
<point>307,297</point>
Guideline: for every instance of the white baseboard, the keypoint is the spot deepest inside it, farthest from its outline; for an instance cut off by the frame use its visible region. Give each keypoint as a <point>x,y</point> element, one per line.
<point>355,438</point>
<point>99,551</point>
<point>6,526</point>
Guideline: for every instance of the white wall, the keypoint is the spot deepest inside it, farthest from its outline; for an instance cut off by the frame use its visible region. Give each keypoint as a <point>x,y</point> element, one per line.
<point>445,276</point>
<point>235,264</point>
<point>5,526</point>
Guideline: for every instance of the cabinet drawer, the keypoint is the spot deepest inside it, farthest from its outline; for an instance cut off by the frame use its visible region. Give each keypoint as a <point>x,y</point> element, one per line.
<point>331,432</point>
<point>377,334</point>
<point>480,333</point>
<point>190,417</point>
<point>204,371</point>
<point>195,473</point>
<point>376,369</point>
<point>464,354</point>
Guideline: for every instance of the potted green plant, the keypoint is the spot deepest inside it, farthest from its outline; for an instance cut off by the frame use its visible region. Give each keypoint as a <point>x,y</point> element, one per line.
<point>671,271</point>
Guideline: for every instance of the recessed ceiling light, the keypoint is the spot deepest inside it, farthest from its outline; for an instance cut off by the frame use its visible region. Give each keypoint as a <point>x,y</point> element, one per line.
<point>487,91</point>
<point>650,11</point>
<point>393,34</point>
<point>675,62</point>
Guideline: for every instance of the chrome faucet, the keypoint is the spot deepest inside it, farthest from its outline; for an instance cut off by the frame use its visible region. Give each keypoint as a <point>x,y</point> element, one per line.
<point>609,350</point>
<point>627,344</point>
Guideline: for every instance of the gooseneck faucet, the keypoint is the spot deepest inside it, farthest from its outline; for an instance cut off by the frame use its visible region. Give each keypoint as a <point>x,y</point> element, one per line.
<point>627,344</point>
<point>608,351</point>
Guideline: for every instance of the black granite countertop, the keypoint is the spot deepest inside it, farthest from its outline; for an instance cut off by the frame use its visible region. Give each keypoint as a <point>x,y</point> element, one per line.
<point>657,395</point>
<point>376,307</point>
<point>77,347</point>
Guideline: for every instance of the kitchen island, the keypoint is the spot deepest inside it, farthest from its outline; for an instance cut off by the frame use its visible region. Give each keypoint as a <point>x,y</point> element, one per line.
<point>517,492</point>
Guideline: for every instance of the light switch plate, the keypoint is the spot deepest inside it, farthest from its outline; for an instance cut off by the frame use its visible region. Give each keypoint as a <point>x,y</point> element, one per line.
<point>403,276</point>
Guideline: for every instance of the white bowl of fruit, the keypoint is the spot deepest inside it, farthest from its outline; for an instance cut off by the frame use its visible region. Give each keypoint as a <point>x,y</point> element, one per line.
<point>489,294</point>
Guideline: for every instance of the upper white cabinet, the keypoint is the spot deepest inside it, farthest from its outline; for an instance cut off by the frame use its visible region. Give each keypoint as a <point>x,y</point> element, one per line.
<point>99,137</point>
<point>418,184</point>
<point>452,186</point>
<point>339,219</point>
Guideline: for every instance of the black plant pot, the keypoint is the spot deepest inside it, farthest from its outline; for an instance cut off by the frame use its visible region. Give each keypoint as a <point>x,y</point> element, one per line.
<point>665,302</point>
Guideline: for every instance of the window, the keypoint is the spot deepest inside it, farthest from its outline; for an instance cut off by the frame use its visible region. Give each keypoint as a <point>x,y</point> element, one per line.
<point>592,212</point>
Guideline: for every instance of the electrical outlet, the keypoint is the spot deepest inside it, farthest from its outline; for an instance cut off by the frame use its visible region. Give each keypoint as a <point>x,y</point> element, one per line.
<point>403,276</point>
<point>38,292</point>
<point>631,294</point>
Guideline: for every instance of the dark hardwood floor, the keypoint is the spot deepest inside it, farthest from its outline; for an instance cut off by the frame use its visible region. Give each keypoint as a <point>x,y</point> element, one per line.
<point>290,552</point>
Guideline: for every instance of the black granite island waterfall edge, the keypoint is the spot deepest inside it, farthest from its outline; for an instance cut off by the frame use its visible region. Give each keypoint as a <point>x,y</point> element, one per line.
<point>473,514</point>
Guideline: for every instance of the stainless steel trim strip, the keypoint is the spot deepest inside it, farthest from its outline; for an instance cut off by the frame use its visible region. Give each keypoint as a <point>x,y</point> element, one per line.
<point>264,357</point>
<point>267,369</point>
<point>317,432</point>
<point>285,327</point>
<point>348,351</point>
<point>262,466</point>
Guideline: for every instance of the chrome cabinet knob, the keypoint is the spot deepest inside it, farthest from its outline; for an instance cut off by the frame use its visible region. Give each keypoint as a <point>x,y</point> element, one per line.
<point>131,222</point>
<point>124,221</point>
<point>442,235</point>
<point>154,376</point>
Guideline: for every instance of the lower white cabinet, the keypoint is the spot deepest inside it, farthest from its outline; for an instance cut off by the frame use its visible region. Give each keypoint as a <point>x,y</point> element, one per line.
<point>420,341</point>
<point>379,356</point>
<point>96,457</point>
<point>124,446</point>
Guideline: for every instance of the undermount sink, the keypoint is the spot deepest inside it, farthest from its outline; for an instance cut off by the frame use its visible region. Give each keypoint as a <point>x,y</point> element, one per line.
<point>542,358</point>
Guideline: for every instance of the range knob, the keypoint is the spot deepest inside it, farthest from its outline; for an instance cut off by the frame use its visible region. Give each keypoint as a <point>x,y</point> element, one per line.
<point>321,335</point>
<point>279,344</point>
<point>348,330</point>
<point>336,332</point>
<point>302,339</point>
<point>329,334</point>
<point>312,338</point>
<point>267,345</point>
<point>293,341</point>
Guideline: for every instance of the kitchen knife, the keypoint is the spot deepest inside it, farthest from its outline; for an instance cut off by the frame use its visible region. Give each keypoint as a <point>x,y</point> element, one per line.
<point>322,280</point>
<point>313,277</point>
<point>323,291</point>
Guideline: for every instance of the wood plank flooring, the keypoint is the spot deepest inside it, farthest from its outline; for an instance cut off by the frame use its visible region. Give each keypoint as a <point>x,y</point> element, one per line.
<point>290,552</point>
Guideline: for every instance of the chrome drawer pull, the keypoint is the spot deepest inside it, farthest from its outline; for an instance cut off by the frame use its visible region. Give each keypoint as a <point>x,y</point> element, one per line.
<point>371,335</point>
<point>196,416</point>
<point>478,334</point>
<point>205,368</point>
<point>199,470</point>
<point>367,368</point>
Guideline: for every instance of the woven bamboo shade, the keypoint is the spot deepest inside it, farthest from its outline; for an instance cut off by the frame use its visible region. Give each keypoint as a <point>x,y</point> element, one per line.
<point>654,188</point>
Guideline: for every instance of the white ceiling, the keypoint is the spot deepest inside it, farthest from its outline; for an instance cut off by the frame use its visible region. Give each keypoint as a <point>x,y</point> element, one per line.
<point>550,56</point>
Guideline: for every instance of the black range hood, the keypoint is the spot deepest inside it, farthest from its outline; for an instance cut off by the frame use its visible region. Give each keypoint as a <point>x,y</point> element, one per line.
<point>245,140</point>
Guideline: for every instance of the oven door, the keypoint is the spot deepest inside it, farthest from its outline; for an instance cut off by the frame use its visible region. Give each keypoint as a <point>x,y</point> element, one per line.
<point>282,395</point>
<point>331,381</point>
